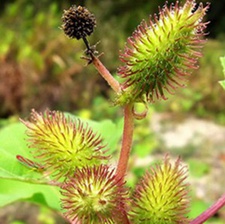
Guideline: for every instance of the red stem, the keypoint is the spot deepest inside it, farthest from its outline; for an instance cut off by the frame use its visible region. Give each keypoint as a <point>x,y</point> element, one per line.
<point>128,125</point>
<point>128,128</point>
<point>106,74</point>
<point>126,141</point>
<point>210,211</point>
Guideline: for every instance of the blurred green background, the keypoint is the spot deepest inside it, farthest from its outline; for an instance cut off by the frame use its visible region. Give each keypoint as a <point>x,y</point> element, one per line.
<point>41,68</point>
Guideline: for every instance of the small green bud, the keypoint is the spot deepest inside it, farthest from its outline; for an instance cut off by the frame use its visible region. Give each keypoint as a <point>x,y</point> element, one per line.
<point>63,144</point>
<point>162,53</point>
<point>94,195</point>
<point>78,22</point>
<point>161,197</point>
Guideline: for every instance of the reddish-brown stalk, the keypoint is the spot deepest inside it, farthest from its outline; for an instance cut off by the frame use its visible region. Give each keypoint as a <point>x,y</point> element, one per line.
<point>210,211</point>
<point>113,83</point>
<point>128,129</point>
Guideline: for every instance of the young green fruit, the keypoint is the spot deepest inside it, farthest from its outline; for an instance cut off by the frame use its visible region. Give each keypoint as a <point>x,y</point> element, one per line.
<point>94,195</point>
<point>61,144</point>
<point>162,53</point>
<point>161,197</point>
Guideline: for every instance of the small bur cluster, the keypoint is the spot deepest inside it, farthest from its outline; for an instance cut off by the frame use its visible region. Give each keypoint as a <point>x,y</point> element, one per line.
<point>157,58</point>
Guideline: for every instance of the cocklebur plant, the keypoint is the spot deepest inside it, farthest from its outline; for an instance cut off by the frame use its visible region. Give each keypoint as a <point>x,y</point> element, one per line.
<point>158,58</point>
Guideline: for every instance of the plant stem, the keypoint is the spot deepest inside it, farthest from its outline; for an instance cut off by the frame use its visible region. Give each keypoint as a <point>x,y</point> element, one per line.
<point>87,45</point>
<point>210,211</point>
<point>106,74</point>
<point>128,129</point>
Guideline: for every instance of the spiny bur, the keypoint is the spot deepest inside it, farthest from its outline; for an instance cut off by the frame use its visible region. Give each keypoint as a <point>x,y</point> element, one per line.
<point>94,195</point>
<point>62,144</point>
<point>162,53</point>
<point>161,197</point>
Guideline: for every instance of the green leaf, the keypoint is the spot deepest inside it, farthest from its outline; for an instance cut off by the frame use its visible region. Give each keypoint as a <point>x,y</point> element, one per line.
<point>19,182</point>
<point>16,179</point>
<point>11,190</point>
<point>110,132</point>
<point>222,83</point>
<point>222,60</point>
<point>198,168</point>
<point>12,143</point>
<point>197,207</point>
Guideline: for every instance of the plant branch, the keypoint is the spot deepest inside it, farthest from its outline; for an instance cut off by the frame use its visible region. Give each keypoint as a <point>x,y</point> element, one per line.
<point>87,45</point>
<point>128,129</point>
<point>104,72</point>
<point>210,211</point>
<point>114,84</point>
